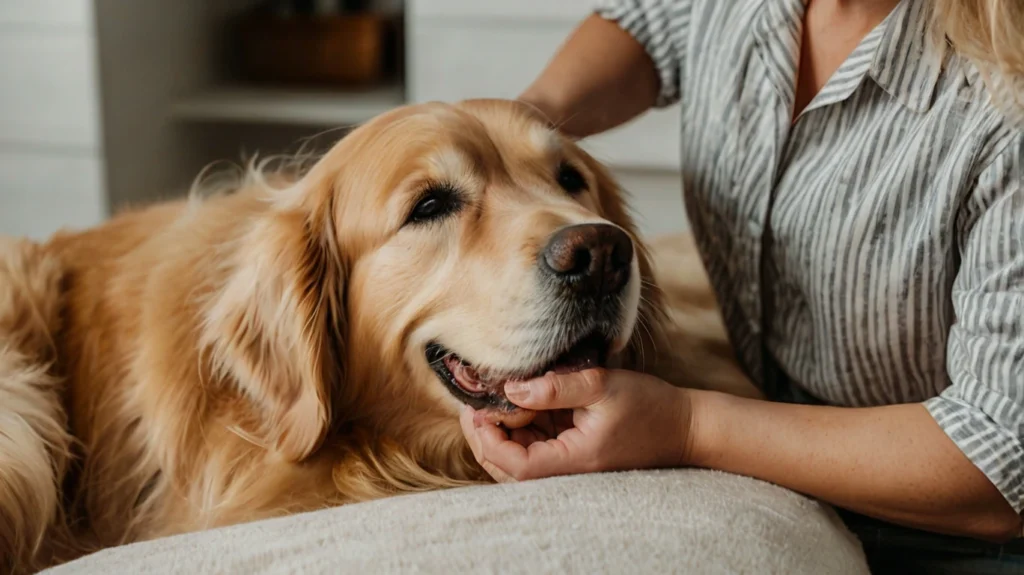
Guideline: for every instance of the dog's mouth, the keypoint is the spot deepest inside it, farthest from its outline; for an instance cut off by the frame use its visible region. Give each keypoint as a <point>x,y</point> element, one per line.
<point>485,389</point>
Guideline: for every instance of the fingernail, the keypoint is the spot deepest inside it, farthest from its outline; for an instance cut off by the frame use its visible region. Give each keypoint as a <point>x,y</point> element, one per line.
<point>517,390</point>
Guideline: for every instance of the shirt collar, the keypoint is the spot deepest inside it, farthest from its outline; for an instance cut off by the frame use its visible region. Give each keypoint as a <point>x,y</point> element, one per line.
<point>851,73</point>
<point>778,32</point>
<point>908,61</point>
<point>899,55</point>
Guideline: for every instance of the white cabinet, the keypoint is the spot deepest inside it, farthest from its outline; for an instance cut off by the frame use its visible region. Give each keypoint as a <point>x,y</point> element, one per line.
<point>51,161</point>
<point>73,14</point>
<point>49,89</point>
<point>42,192</point>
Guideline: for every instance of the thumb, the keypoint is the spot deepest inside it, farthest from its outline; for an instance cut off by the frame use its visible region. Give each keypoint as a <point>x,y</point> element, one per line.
<point>559,390</point>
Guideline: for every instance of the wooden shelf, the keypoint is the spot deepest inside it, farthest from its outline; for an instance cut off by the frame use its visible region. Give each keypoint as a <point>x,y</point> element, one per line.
<point>258,105</point>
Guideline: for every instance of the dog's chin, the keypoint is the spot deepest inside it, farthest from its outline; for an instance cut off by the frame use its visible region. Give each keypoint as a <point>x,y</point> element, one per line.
<point>484,389</point>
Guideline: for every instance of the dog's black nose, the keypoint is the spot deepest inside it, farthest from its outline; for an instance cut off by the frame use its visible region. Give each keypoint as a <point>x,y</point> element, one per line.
<point>592,259</point>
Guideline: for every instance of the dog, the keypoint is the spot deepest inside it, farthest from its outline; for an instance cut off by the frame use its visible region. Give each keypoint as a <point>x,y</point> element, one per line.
<point>307,339</point>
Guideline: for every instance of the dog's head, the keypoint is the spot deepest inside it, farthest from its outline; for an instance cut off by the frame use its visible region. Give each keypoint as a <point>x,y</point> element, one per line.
<point>434,254</point>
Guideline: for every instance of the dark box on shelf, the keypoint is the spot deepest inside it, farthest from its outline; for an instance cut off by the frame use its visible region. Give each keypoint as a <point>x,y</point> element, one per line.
<point>361,49</point>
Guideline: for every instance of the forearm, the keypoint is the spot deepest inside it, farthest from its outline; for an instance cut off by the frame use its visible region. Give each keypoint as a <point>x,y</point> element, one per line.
<point>893,463</point>
<point>600,78</point>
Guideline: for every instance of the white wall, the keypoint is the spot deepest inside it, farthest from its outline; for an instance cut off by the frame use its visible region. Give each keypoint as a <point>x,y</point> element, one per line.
<point>656,197</point>
<point>51,154</point>
<point>468,48</point>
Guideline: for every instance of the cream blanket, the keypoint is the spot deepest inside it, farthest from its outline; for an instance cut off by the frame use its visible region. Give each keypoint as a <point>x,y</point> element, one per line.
<point>680,521</point>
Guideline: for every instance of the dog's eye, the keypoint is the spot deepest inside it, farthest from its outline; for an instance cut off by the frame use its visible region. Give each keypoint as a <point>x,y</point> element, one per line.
<point>571,179</point>
<point>436,203</point>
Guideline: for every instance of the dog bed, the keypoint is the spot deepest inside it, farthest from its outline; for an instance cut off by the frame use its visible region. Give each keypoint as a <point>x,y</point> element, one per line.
<point>682,521</point>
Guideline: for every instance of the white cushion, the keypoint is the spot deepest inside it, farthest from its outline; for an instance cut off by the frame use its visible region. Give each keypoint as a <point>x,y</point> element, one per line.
<point>683,521</point>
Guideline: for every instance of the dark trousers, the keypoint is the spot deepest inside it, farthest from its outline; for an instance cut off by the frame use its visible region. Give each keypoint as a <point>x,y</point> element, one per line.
<point>895,550</point>
<point>891,549</point>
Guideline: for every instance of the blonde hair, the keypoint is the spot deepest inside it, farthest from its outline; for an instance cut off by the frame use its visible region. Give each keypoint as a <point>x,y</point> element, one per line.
<point>991,34</point>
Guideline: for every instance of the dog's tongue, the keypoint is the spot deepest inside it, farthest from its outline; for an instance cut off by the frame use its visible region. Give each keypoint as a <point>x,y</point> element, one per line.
<point>466,376</point>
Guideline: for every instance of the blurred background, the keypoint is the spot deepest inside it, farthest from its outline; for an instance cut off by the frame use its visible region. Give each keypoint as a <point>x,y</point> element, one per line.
<point>112,103</point>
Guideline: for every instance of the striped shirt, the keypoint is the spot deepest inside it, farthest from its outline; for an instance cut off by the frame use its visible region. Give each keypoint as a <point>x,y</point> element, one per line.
<point>872,251</point>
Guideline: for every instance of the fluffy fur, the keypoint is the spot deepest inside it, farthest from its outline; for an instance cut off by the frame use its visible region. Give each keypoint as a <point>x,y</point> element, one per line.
<point>260,352</point>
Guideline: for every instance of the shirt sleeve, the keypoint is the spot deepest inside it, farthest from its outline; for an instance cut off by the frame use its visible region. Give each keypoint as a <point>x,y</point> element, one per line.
<point>983,409</point>
<point>660,26</point>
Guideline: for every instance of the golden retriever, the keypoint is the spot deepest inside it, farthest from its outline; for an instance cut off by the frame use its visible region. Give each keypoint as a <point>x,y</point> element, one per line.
<point>307,341</point>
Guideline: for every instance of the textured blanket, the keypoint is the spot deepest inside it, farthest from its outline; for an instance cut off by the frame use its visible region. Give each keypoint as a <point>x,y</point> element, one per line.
<point>681,521</point>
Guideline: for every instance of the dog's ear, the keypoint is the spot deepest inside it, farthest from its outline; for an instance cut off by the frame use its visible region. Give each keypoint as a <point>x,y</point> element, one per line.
<point>274,327</point>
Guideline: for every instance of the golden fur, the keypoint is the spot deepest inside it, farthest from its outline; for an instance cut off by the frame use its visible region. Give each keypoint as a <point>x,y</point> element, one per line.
<point>207,362</point>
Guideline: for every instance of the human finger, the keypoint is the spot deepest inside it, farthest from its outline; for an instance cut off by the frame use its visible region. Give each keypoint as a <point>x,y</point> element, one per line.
<point>539,459</point>
<point>559,390</point>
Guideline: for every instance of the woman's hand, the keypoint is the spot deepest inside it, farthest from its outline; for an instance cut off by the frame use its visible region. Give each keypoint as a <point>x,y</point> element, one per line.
<point>593,420</point>
<point>894,463</point>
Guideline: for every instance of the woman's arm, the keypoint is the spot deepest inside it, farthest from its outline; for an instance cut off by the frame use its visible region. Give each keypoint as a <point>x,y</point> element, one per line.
<point>892,463</point>
<point>600,78</point>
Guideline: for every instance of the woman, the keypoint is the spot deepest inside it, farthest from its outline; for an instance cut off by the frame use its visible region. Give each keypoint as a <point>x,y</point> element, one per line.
<point>854,176</point>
